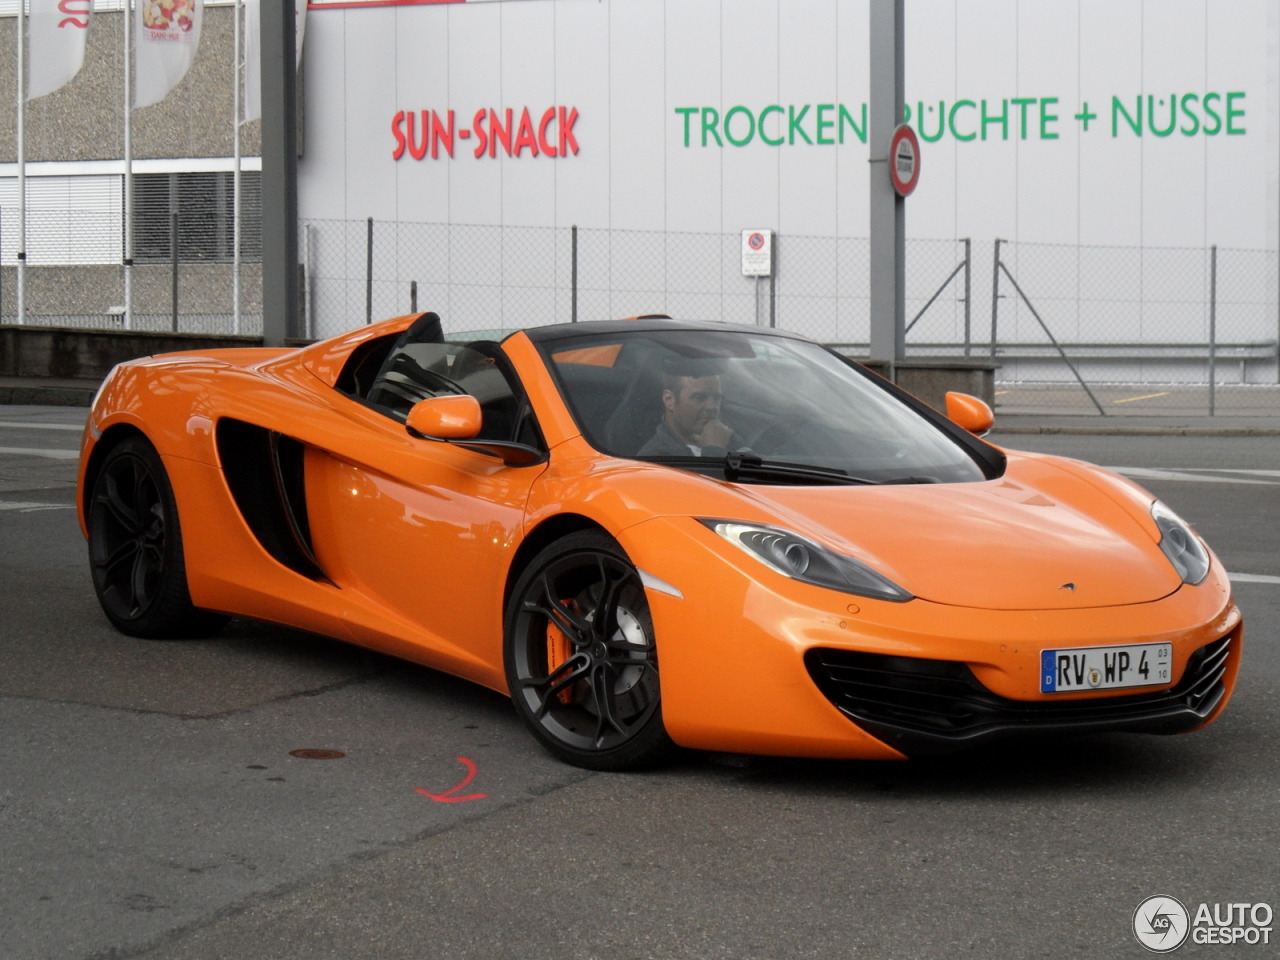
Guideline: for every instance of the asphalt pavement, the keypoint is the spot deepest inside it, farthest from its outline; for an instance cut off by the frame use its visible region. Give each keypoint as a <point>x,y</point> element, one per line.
<point>268,793</point>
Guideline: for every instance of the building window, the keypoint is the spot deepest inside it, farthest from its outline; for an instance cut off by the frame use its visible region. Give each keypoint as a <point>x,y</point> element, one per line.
<point>205,208</point>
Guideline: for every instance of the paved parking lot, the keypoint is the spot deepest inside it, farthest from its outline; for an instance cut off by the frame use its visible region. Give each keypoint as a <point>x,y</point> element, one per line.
<point>153,805</point>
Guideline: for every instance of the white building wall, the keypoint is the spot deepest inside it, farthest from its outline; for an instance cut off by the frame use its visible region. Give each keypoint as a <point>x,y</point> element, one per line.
<point>629,66</point>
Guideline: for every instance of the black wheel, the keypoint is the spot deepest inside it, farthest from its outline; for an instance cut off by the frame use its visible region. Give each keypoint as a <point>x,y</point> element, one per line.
<point>581,661</point>
<point>135,548</point>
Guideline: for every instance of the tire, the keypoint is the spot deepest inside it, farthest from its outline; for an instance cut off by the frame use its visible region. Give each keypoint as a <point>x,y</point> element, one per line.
<point>135,548</point>
<point>580,656</point>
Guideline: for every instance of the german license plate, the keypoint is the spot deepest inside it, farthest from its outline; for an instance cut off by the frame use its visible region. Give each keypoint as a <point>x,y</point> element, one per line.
<point>1105,668</point>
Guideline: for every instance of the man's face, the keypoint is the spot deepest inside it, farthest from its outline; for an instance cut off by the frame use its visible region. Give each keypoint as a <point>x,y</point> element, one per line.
<point>693,406</point>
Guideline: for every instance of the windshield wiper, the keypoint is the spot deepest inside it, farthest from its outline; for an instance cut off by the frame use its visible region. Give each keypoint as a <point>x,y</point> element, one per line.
<point>737,466</point>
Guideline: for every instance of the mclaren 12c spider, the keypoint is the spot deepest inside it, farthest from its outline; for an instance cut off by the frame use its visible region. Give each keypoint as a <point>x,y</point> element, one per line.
<point>654,534</point>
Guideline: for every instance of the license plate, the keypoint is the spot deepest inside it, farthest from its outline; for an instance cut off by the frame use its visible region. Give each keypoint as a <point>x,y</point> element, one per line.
<point>1105,668</point>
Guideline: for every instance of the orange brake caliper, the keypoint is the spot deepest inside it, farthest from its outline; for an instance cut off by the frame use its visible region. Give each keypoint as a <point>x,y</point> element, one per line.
<point>558,651</point>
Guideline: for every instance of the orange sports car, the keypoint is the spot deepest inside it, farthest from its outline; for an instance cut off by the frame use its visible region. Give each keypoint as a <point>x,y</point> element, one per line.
<point>654,534</point>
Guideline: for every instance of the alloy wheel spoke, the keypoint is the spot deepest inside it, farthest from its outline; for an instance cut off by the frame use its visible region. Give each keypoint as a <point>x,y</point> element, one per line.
<point>627,659</point>
<point>604,620</point>
<point>561,678</point>
<point>602,677</point>
<point>577,628</point>
<point>124,553</point>
<point>139,593</point>
<point>123,512</point>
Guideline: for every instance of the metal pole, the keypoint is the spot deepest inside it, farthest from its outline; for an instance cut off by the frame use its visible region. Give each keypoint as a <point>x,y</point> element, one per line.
<point>280,289</point>
<point>368,274</point>
<point>237,85</point>
<point>1213,328</point>
<point>995,295</point>
<point>1054,340</point>
<point>308,282</point>
<point>573,274</point>
<point>126,25</point>
<point>773,282</point>
<point>22,164</point>
<point>968,295</point>
<point>173,254</point>
<point>936,294</point>
<point>413,296</point>
<point>887,209</point>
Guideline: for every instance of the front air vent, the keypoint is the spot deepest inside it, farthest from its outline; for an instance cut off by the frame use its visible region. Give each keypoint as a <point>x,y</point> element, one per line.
<point>265,474</point>
<point>920,705</point>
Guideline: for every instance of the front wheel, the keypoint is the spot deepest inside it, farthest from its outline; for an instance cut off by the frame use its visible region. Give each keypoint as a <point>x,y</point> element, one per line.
<point>135,548</point>
<point>580,656</point>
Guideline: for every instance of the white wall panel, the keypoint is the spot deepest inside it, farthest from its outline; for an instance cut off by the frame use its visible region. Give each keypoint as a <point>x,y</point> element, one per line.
<point>580,59</point>
<point>694,79</point>
<point>752,35</point>
<point>629,67</point>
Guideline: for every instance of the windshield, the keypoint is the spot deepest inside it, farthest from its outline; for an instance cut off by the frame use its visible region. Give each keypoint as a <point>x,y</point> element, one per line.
<point>698,398</point>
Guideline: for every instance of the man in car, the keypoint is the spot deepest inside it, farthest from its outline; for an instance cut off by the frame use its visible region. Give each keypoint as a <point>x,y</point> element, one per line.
<point>691,421</point>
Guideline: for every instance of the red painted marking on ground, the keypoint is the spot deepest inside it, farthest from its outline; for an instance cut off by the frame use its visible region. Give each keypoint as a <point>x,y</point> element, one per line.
<point>450,795</point>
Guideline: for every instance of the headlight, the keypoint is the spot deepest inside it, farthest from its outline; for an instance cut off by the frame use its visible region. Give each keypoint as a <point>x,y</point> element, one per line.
<point>1183,548</point>
<point>801,559</point>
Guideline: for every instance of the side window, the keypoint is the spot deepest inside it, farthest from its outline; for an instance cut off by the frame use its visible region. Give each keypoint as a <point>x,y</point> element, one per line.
<point>361,369</point>
<point>413,372</point>
<point>416,371</point>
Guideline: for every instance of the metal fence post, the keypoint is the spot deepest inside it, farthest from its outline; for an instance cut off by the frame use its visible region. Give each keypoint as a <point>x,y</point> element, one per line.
<point>773,283</point>
<point>968,295</point>
<point>995,295</point>
<point>308,289</point>
<point>173,253</point>
<point>413,296</point>
<point>573,274</point>
<point>368,274</point>
<point>1213,328</point>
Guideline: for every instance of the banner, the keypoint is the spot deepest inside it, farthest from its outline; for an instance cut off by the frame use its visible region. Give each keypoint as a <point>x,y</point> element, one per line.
<point>167,34</point>
<point>253,53</point>
<point>56,31</point>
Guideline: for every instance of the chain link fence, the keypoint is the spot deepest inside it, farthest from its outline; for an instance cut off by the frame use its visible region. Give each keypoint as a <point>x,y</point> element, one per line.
<point>184,276</point>
<point>1074,327</point>
<point>1071,327</point>
<point>489,278</point>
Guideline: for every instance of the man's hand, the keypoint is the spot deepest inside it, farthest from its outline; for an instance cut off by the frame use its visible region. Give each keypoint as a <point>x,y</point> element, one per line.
<point>714,434</point>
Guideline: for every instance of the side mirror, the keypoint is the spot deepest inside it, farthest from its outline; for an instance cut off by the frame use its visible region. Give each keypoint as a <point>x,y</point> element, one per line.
<point>457,419</point>
<point>445,418</point>
<point>969,412</point>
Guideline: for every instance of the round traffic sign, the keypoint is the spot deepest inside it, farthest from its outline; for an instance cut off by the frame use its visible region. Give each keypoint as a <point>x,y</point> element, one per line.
<point>904,160</point>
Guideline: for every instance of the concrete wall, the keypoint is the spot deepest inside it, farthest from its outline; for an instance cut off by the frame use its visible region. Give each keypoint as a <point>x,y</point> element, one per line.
<point>43,353</point>
<point>932,380</point>
<point>66,354</point>
<point>85,295</point>
<point>85,119</point>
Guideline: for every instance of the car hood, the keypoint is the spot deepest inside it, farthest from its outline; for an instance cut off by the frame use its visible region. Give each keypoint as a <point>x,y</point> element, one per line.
<point>1047,535</point>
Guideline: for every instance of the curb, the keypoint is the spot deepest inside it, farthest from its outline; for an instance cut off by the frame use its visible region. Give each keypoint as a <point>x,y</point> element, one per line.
<point>1138,431</point>
<point>45,395</point>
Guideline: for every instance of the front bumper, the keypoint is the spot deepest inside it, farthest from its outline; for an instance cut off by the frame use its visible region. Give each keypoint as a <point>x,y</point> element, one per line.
<point>752,662</point>
<point>925,706</point>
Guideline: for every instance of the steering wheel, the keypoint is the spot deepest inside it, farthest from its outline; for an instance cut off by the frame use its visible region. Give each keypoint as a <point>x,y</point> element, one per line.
<point>776,433</point>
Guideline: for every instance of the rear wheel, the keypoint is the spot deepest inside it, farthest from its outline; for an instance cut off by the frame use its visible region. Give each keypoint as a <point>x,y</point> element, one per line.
<point>581,660</point>
<point>135,548</point>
